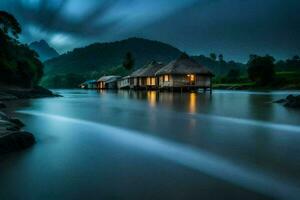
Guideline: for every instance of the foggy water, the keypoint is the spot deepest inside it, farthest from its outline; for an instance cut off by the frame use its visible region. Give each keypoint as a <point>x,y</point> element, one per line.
<point>149,145</point>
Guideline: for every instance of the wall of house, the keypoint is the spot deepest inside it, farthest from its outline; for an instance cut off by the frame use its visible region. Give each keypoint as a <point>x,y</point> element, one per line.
<point>162,82</point>
<point>111,85</point>
<point>92,86</point>
<point>100,85</point>
<point>182,81</point>
<point>135,82</point>
<point>123,83</point>
<point>203,81</point>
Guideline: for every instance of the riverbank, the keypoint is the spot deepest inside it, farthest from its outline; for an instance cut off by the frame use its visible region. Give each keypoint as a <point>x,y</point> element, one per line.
<point>252,86</point>
<point>14,93</point>
<point>12,137</point>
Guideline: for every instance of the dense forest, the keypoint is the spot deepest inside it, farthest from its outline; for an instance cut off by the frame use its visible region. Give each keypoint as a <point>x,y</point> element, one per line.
<point>263,71</point>
<point>19,65</point>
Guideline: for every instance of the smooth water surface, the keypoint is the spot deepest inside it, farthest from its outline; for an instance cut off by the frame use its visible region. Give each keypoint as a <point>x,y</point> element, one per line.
<point>149,145</point>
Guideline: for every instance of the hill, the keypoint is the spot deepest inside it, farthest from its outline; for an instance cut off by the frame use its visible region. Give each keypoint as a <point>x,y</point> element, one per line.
<point>98,59</point>
<point>105,56</point>
<point>44,50</point>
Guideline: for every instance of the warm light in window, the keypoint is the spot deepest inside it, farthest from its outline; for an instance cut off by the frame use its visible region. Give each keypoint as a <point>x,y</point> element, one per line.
<point>153,81</point>
<point>166,78</point>
<point>148,81</point>
<point>191,77</point>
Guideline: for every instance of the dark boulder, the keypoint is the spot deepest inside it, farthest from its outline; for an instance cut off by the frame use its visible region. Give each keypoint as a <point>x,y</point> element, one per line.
<point>290,101</point>
<point>16,141</point>
<point>293,101</point>
<point>17,122</point>
<point>290,97</point>
<point>280,101</point>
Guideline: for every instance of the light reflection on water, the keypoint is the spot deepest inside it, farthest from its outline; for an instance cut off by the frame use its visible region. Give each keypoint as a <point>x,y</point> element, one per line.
<point>192,102</point>
<point>239,137</point>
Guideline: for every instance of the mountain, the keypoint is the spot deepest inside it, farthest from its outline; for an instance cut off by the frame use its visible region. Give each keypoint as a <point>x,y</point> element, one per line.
<point>44,50</point>
<point>102,57</point>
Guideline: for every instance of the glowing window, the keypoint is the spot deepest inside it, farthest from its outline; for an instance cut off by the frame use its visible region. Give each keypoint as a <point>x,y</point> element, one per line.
<point>148,81</point>
<point>191,77</point>
<point>166,78</point>
<point>153,81</point>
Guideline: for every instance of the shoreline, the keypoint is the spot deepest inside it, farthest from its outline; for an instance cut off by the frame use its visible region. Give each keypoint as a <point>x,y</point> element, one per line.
<point>12,136</point>
<point>15,93</point>
<point>253,88</point>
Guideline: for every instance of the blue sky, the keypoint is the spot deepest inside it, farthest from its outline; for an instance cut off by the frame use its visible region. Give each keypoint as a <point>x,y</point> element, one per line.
<point>235,28</point>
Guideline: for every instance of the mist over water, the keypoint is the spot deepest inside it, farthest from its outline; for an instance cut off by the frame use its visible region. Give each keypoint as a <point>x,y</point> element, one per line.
<point>229,145</point>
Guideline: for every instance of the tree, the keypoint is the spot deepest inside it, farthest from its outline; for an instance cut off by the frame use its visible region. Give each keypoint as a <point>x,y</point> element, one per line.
<point>261,69</point>
<point>19,65</point>
<point>9,24</point>
<point>184,56</point>
<point>233,75</point>
<point>221,58</point>
<point>128,62</point>
<point>213,56</point>
<point>296,58</point>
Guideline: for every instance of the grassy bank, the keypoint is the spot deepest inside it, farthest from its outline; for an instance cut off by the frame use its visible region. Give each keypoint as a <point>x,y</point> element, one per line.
<point>282,81</point>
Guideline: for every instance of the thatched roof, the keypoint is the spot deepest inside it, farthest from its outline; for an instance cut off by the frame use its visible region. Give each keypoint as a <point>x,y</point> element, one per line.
<point>89,82</point>
<point>184,65</point>
<point>125,77</point>
<point>148,70</point>
<point>108,78</point>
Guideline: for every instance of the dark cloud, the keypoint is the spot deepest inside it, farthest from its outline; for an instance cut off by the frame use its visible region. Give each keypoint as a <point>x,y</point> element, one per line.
<point>51,18</point>
<point>233,27</point>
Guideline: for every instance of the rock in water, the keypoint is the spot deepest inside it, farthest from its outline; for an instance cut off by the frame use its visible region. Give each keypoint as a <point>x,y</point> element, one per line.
<point>293,101</point>
<point>16,141</point>
<point>290,101</point>
<point>280,101</point>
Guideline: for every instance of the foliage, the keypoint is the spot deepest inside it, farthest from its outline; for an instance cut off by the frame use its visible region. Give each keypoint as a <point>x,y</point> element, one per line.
<point>292,64</point>
<point>221,67</point>
<point>233,76</point>
<point>70,80</point>
<point>128,62</point>
<point>221,58</point>
<point>213,56</point>
<point>9,25</point>
<point>261,69</point>
<point>19,65</point>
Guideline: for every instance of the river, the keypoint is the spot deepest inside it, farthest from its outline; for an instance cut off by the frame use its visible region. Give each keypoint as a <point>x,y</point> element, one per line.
<point>149,145</point>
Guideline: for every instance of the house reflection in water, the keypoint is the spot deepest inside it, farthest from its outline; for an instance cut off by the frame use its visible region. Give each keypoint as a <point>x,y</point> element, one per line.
<point>192,102</point>
<point>152,98</point>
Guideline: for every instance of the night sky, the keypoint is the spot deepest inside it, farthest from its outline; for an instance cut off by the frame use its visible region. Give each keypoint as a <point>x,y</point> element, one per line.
<point>235,28</point>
